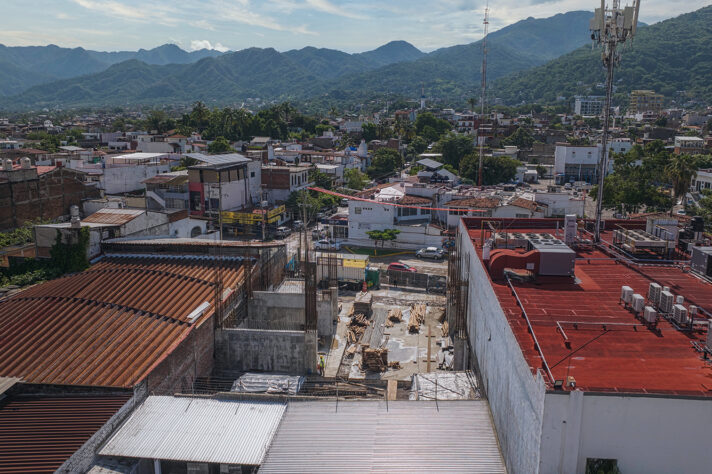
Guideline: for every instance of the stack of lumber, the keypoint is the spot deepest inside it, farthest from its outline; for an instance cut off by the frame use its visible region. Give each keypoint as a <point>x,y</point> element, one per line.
<point>445,329</point>
<point>362,303</point>
<point>356,328</point>
<point>395,315</point>
<point>417,317</point>
<point>374,359</point>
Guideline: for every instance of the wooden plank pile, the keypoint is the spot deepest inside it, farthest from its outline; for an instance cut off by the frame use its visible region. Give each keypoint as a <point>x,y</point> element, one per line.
<point>417,317</point>
<point>395,315</point>
<point>362,303</point>
<point>356,328</point>
<point>374,359</point>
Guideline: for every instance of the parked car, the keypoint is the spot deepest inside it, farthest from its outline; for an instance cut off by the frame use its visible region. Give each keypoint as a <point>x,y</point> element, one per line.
<point>344,202</point>
<point>325,244</point>
<point>297,225</point>
<point>283,232</point>
<point>401,267</point>
<point>431,252</point>
<point>681,212</point>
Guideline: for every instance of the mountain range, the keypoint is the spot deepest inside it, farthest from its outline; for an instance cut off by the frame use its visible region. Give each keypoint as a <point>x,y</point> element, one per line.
<point>531,60</point>
<point>397,67</point>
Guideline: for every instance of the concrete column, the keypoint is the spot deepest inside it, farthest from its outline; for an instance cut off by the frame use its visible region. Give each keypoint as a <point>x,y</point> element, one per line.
<point>571,439</point>
<point>157,466</point>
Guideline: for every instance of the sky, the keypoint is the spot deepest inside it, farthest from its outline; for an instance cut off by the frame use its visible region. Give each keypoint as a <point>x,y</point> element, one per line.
<point>347,25</point>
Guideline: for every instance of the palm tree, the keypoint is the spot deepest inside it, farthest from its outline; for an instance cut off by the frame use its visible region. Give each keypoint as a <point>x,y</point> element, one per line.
<point>472,101</point>
<point>681,169</point>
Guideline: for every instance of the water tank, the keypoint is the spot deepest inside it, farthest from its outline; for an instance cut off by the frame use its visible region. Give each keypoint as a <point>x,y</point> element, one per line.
<point>25,163</point>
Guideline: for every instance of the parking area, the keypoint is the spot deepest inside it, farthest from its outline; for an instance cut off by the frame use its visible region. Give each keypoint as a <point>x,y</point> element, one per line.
<point>423,265</point>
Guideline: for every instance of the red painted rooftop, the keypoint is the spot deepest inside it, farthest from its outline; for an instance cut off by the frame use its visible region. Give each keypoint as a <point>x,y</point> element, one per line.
<point>39,433</point>
<point>624,356</point>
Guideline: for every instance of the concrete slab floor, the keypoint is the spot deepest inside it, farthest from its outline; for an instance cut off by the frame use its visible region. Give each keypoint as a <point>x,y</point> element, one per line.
<point>408,349</point>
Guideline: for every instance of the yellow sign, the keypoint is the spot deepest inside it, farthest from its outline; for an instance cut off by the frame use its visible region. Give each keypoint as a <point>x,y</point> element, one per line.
<point>349,262</point>
<point>252,218</point>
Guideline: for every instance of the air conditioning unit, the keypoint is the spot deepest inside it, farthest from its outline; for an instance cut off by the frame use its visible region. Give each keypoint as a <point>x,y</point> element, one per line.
<point>666,288</point>
<point>692,311</point>
<point>626,294</point>
<point>679,314</point>
<point>679,299</point>
<point>650,315</point>
<point>654,293</point>
<point>637,303</point>
<point>667,299</point>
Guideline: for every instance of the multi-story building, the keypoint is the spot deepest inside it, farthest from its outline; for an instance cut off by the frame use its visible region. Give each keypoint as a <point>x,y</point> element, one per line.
<point>645,101</point>
<point>281,181</point>
<point>168,191</point>
<point>576,162</point>
<point>689,145</point>
<point>703,180</point>
<point>576,377</point>
<point>588,106</point>
<point>223,183</point>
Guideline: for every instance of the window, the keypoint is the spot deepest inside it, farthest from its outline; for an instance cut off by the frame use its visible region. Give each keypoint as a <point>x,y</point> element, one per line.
<point>425,212</point>
<point>357,210</point>
<point>252,174</point>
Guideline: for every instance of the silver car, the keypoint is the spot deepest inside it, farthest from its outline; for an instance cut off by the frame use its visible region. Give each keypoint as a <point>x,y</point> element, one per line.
<point>431,252</point>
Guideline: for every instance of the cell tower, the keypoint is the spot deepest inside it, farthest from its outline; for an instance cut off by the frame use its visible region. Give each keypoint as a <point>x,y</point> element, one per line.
<point>481,138</point>
<point>610,27</point>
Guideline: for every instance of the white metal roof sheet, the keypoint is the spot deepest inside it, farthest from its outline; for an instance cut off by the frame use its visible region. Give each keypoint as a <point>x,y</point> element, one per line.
<point>372,436</point>
<point>224,159</point>
<point>197,430</point>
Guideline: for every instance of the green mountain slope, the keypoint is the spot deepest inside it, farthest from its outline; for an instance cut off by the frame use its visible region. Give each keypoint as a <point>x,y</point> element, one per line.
<point>452,72</point>
<point>669,56</point>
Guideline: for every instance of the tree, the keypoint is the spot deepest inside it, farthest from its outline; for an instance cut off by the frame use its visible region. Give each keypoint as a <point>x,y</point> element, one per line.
<point>437,127</point>
<point>681,169</point>
<point>521,138</point>
<point>369,131</point>
<point>184,163</point>
<point>495,170</point>
<point>454,147</point>
<point>321,179</point>
<point>419,145</point>
<point>383,236</point>
<point>355,179</point>
<point>220,145</point>
<point>385,161</point>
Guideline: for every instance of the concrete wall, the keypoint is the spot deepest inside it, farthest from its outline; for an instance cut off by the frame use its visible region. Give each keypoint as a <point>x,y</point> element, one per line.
<point>646,434</point>
<point>285,311</point>
<point>515,394</point>
<point>124,179</point>
<point>289,352</point>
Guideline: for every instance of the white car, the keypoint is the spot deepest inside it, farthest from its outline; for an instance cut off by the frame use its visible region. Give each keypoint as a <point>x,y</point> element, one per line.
<point>431,252</point>
<point>325,244</point>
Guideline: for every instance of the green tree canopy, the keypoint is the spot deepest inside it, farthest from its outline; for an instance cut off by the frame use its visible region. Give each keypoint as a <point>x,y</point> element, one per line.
<point>495,169</point>
<point>321,179</point>
<point>385,161</point>
<point>355,179</point>
<point>220,145</point>
<point>383,235</point>
<point>435,127</point>
<point>521,138</point>
<point>454,147</point>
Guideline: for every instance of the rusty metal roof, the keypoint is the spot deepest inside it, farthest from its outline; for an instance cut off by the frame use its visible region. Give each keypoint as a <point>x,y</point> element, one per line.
<point>113,216</point>
<point>108,325</point>
<point>39,433</point>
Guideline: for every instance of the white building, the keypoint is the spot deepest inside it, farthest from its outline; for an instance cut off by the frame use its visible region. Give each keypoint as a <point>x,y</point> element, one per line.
<point>690,145</point>
<point>576,162</point>
<point>574,379</point>
<point>703,180</point>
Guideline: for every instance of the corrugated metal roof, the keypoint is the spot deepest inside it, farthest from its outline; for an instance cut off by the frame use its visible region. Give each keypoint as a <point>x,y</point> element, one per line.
<point>372,436</point>
<point>39,433</point>
<point>197,430</point>
<point>224,159</point>
<point>113,216</point>
<point>106,326</point>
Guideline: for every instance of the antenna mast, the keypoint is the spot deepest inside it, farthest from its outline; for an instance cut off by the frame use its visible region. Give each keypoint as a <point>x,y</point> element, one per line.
<point>609,28</point>
<point>480,138</point>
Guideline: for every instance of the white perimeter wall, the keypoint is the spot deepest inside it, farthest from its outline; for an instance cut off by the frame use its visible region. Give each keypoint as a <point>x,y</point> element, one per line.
<point>646,434</point>
<point>516,396</point>
<point>124,179</point>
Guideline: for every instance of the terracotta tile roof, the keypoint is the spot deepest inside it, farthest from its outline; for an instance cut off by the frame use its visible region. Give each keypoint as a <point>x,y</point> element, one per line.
<point>524,204</point>
<point>106,326</point>
<point>39,433</point>
<point>475,203</point>
<point>414,200</point>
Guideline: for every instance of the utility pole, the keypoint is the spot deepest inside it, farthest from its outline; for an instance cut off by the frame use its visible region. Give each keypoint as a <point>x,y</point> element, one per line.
<point>480,138</point>
<point>609,28</point>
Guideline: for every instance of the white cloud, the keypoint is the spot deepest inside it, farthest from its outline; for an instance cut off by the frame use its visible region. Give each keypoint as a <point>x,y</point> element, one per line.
<point>195,45</point>
<point>327,7</point>
<point>114,8</point>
